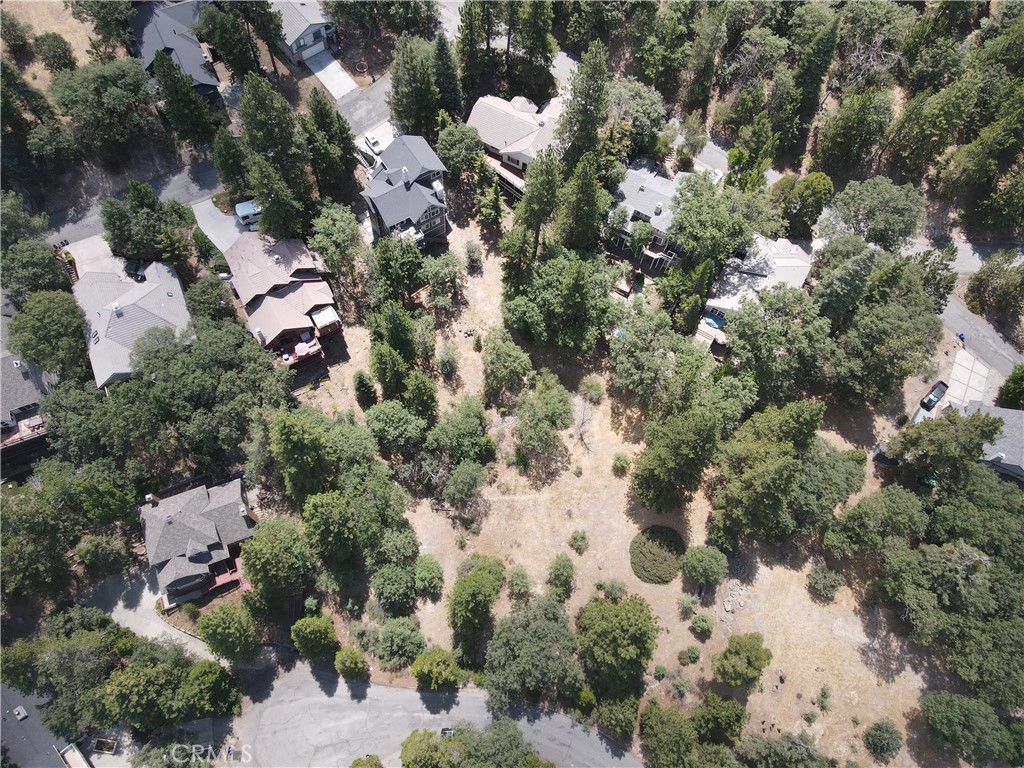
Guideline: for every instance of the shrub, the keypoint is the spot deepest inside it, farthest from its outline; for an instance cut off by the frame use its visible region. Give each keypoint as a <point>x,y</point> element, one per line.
<point>702,625</point>
<point>743,660</point>
<point>395,428</point>
<point>587,700</point>
<point>614,590</point>
<point>399,643</point>
<point>656,554</point>
<point>660,672</point>
<point>592,389</point>
<point>824,582</point>
<point>474,258</point>
<point>190,611</point>
<point>448,361</point>
<point>350,663</point>
<point>620,464</point>
<point>229,632</point>
<point>206,251</point>
<point>54,51</point>
<point>428,576</point>
<point>314,637</point>
<point>617,717</point>
<point>810,717</point>
<point>464,483</point>
<point>705,565</point>
<point>103,555</point>
<point>561,573</point>
<point>689,655</point>
<point>311,606</point>
<point>578,542</point>
<point>362,385</point>
<point>435,669</point>
<point>395,588</point>
<point>825,698</point>
<point>883,740</point>
<point>687,605</point>
<point>518,583</point>
<point>478,342</point>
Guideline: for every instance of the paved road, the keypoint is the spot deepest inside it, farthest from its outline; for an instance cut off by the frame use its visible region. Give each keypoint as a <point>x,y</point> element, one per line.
<point>984,342</point>
<point>368,107</point>
<point>450,18</point>
<point>196,182</point>
<point>313,720</point>
<point>130,600</point>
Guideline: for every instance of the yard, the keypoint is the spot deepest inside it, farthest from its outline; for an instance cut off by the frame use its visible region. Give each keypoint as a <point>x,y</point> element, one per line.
<point>849,645</point>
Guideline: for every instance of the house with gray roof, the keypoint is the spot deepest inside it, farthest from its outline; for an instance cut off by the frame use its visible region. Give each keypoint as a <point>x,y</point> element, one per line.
<point>193,539</point>
<point>119,311</point>
<point>1006,454</point>
<point>405,195</point>
<point>305,28</point>
<point>168,27</point>
<point>22,386</point>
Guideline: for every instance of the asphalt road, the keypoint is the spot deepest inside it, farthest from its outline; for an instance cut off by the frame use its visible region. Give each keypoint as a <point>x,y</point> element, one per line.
<point>984,342</point>
<point>310,719</point>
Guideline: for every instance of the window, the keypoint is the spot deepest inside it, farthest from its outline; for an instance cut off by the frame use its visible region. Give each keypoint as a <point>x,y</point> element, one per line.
<point>318,34</point>
<point>512,161</point>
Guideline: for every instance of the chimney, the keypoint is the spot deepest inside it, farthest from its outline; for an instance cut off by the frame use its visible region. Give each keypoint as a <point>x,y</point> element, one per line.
<point>438,190</point>
<point>117,309</point>
<point>277,258</point>
<point>1000,457</point>
<point>260,337</point>
<point>17,363</point>
<point>405,177</point>
<point>152,498</point>
<point>657,209</point>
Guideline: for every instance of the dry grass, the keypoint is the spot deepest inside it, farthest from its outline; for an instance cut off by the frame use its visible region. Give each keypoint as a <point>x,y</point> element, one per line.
<point>50,16</point>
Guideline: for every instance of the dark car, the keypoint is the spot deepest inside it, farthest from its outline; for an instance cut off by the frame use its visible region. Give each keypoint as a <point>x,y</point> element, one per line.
<point>135,270</point>
<point>935,394</point>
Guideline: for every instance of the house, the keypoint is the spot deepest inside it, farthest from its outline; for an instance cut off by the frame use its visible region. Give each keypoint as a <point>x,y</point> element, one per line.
<point>22,386</point>
<point>288,305</point>
<point>193,538</point>
<point>646,195</point>
<point>514,133</point>
<point>767,263</point>
<point>405,195</point>
<point>168,27</point>
<point>119,311</point>
<point>1006,455</point>
<point>305,28</point>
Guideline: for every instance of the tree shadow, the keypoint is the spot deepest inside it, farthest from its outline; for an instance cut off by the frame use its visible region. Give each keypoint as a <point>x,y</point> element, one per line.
<point>889,652</point>
<point>257,684</point>
<point>922,746</point>
<point>359,689</point>
<point>627,419</point>
<point>544,470</point>
<point>325,676</point>
<point>436,702</point>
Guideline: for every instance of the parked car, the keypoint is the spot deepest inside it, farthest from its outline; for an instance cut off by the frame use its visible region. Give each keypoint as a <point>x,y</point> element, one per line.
<point>373,143</point>
<point>935,394</point>
<point>136,270</point>
<point>249,213</point>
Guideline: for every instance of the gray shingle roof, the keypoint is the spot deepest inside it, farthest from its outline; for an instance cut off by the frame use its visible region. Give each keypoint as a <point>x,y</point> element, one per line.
<point>395,203</point>
<point>156,303</point>
<point>1010,442</point>
<point>640,192</point>
<point>25,384</point>
<point>187,533</point>
<point>168,27</point>
<point>413,153</point>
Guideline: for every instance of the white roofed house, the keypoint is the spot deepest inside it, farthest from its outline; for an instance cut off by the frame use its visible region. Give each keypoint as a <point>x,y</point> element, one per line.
<point>647,196</point>
<point>119,311</point>
<point>288,305</point>
<point>193,539</point>
<point>514,133</point>
<point>405,196</point>
<point>305,26</point>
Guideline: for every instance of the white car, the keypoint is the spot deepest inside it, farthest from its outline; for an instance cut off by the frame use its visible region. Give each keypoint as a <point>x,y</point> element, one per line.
<point>373,143</point>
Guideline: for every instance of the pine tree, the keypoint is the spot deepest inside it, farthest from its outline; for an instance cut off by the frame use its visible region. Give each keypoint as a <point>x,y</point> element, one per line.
<point>510,14</point>
<point>282,212</point>
<point>270,131</point>
<point>265,23</point>
<point>414,97</point>
<point>534,41</point>
<point>231,41</point>
<point>540,200</point>
<point>229,160</point>
<point>582,205</point>
<point>331,146</point>
<point>468,45</point>
<point>491,205</point>
<point>446,77</point>
<point>186,110</point>
<point>586,109</point>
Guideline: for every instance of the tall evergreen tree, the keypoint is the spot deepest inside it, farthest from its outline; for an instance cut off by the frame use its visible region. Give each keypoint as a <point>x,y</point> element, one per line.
<point>540,200</point>
<point>186,110</point>
<point>282,211</point>
<point>414,97</point>
<point>534,41</point>
<point>815,33</point>
<point>582,205</point>
<point>229,160</point>
<point>331,145</point>
<point>469,44</point>
<point>232,42</point>
<point>270,131</point>
<point>265,23</point>
<point>510,15</point>
<point>586,109</point>
<point>446,77</point>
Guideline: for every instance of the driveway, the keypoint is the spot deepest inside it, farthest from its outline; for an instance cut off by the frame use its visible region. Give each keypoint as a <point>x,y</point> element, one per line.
<point>310,718</point>
<point>130,600</point>
<point>366,107</point>
<point>331,74</point>
<point>93,255</point>
<point>985,343</point>
<point>223,230</point>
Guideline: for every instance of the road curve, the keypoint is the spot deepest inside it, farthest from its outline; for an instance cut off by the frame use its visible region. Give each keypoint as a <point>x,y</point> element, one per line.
<point>310,718</point>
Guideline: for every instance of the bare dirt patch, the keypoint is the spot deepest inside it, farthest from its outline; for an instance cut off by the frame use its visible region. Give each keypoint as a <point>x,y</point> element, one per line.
<point>50,17</point>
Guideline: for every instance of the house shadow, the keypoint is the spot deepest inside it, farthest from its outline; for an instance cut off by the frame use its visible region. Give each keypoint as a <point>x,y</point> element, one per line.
<point>436,702</point>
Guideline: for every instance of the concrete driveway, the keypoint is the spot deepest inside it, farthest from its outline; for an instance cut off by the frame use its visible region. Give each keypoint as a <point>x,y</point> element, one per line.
<point>93,254</point>
<point>223,230</point>
<point>309,718</point>
<point>130,600</point>
<point>985,343</point>
<point>331,74</point>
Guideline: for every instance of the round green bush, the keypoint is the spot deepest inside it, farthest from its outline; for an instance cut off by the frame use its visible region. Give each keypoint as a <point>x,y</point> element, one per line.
<point>824,582</point>
<point>883,740</point>
<point>702,625</point>
<point>689,655</point>
<point>350,663</point>
<point>620,464</point>
<point>656,554</point>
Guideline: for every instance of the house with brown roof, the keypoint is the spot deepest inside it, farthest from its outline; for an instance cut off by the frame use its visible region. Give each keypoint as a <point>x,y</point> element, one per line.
<point>193,539</point>
<point>288,305</point>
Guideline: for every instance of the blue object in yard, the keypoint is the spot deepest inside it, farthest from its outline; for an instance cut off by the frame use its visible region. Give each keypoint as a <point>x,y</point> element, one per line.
<point>714,319</point>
